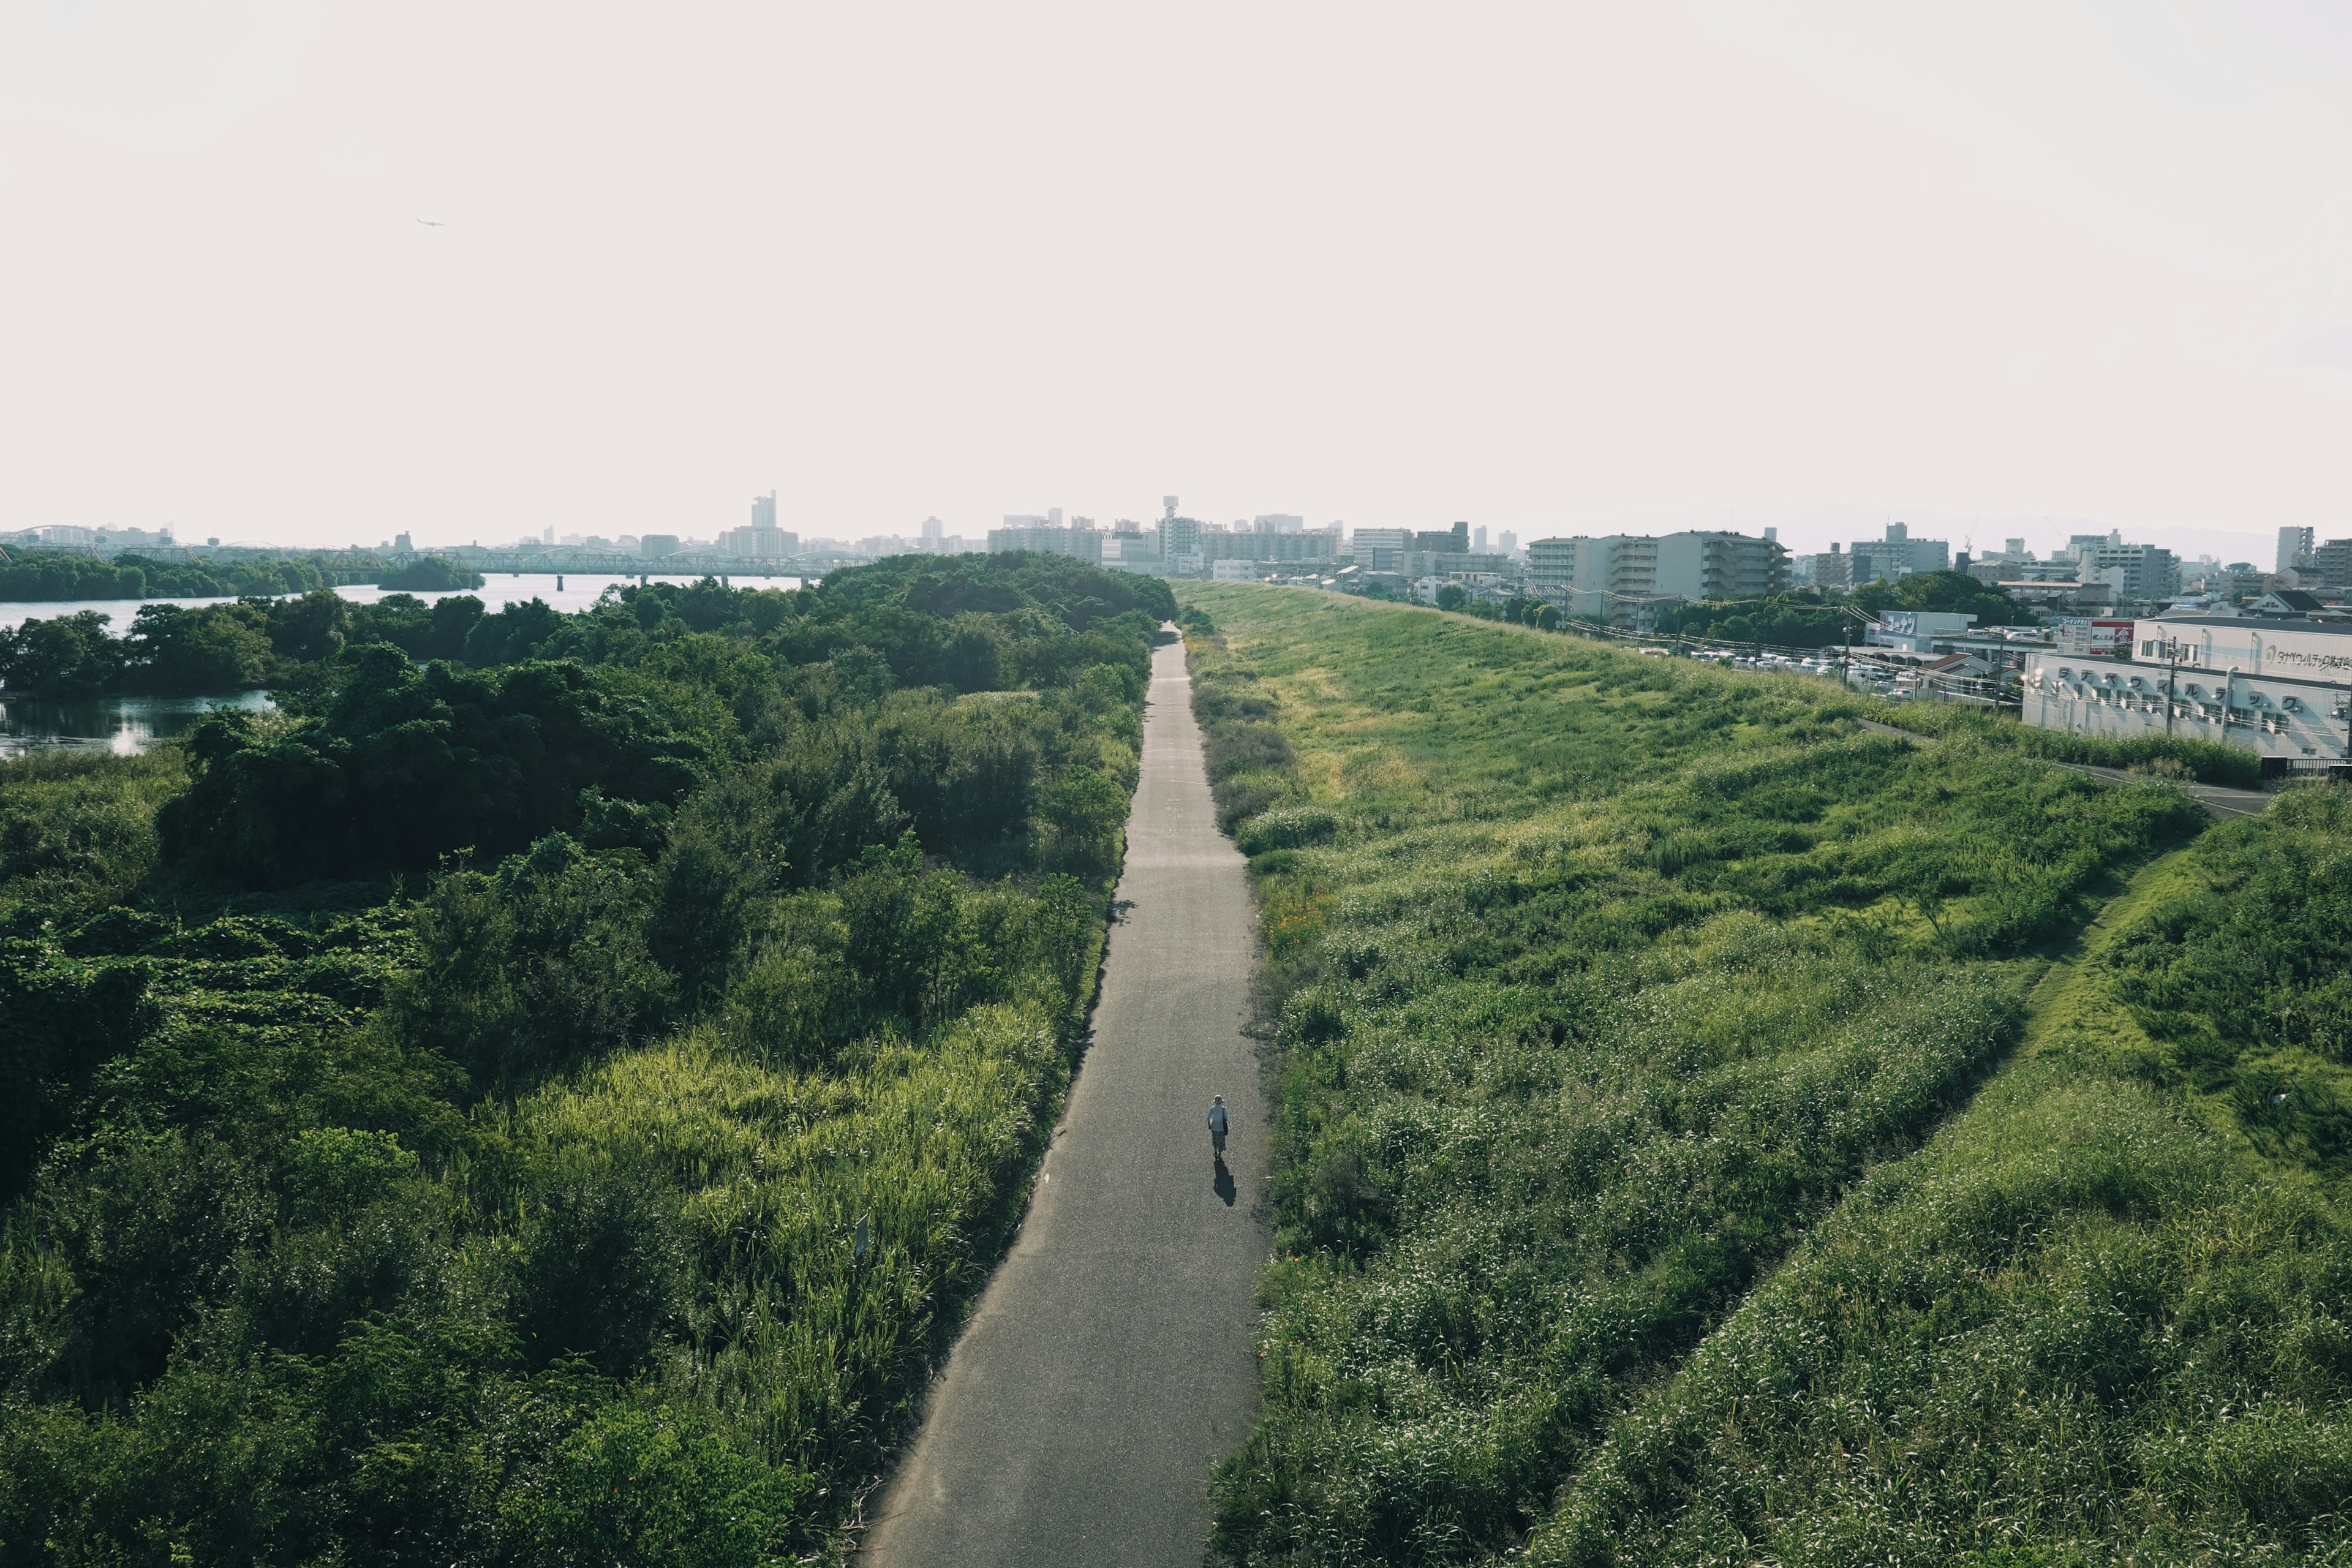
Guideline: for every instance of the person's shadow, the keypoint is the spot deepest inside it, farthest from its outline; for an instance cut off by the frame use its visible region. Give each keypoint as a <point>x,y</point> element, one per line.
<point>1224,1183</point>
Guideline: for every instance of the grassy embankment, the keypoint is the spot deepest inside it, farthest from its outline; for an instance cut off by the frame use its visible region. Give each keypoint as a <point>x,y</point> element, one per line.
<point>369,1205</point>
<point>1595,982</point>
<point>2105,1315</point>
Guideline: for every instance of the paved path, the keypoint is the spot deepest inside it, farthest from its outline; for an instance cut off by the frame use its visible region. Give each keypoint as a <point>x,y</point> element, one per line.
<point>1111,1362</point>
<point>2218,800</point>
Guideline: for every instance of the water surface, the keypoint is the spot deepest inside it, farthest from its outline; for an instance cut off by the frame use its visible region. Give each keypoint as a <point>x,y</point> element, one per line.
<point>122,725</point>
<point>580,589</point>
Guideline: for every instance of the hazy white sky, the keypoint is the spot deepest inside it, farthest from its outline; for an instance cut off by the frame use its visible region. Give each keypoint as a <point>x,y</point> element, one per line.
<point>1996,267</point>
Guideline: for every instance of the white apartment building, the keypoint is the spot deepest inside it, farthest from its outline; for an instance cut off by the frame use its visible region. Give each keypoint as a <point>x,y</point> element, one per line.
<point>1628,569</point>
<point>1897,555</point>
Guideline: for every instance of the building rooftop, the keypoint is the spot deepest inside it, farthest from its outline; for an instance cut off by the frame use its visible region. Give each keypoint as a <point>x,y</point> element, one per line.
<point>2257,623</point>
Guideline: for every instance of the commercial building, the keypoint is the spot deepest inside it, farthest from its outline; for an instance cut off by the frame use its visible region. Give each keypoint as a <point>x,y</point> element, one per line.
<point>2142,573</point>
<point>2282,688</point>
<point>1082,543</point>
<point>757,541</point>
<point>1318,545</point>
<point>1897,555</point>
<point>2088,636</point>
<point>1916,631</point>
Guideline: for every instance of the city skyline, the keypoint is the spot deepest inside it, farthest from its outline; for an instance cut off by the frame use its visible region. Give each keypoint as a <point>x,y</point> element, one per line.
<point>308,273</point>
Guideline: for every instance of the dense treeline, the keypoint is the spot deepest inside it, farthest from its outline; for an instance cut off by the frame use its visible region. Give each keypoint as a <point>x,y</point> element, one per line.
<point>1594,983</point>
<point>441,1112</point>
<point>42,576</point>
<point>1807,618</point>
<point>177,651</point>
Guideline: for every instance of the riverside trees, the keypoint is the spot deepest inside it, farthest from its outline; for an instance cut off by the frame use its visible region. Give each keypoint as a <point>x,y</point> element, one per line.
<point>443,1109</point>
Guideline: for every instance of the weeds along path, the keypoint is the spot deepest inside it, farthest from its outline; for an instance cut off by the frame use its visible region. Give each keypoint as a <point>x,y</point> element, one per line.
<point>1108,1364</point>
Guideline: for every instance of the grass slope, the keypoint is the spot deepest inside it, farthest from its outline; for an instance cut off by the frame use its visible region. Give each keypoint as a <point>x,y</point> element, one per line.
<point>2102,1317</point>
<point>1594,981</point>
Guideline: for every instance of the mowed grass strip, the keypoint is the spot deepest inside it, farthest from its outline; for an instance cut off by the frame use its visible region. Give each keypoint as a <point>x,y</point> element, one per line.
<point>1595,980</point>
<point>2102,1317</point>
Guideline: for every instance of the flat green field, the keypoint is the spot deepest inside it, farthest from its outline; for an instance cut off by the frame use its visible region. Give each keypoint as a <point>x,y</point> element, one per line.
<point>1710,1131</point>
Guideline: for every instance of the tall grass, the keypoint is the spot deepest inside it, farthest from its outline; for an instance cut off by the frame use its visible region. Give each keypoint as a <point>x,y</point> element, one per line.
<point>78,830</point>
<point>2102,1317</point>
<point>1594,983</point>
<point>2210,761</point>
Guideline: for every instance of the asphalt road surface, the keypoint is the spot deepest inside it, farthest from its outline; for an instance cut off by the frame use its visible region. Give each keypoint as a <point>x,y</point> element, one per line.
<point>1110,1361</point>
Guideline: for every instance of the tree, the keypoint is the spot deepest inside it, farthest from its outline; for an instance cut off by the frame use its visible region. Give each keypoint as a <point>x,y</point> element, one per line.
<point>1954,592</point>
<point>1450,597</point>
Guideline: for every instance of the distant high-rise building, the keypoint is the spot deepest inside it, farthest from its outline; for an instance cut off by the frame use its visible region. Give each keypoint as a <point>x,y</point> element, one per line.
<point>2330,564</point>
<point>1280,522</point>
<point>1052,517</point>
<point>1508,541</point>
<point>933,533</point>
<point>2294,546</point>
<point>1897,555</point>
<point>658,544</point>
<point>1178,536</point>
<point>1616,573</point>
<point>1377,549</point>
<point>1045,538</point>
<point>1478,540</point>
<point>1167,507</point>
<point>763,512</point>
<point>400,545</point>
<point>1832,570</point>
<point>1454,541</point>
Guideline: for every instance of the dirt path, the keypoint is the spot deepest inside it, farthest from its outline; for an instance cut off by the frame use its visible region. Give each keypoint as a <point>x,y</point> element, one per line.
<point>1110,1361</point>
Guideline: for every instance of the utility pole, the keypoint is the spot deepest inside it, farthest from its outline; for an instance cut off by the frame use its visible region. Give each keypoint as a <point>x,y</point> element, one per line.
<point>2172,672</point>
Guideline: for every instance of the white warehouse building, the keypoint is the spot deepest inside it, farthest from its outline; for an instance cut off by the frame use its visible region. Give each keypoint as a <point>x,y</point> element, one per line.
<point>2283,689</point>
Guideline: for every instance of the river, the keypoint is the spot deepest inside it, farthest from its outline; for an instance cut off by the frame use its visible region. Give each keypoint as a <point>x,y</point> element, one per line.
<point>123,725</point>
<point>580,589</point>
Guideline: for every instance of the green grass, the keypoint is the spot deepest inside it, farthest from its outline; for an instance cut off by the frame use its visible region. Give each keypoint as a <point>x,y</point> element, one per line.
<point>78,830</point>
<point>1595,982</point>
<point>2210,761</point>
<point>2102,1317</point>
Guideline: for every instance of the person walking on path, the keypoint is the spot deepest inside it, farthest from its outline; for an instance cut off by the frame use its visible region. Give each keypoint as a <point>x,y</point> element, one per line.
<point>1218,1121</point>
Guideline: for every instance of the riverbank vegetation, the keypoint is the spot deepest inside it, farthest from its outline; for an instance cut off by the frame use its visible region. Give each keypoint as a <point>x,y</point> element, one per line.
<point>547,1103</point>
<point>54,576</point>
<point>288,645</point>
<point>1595,984</point>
